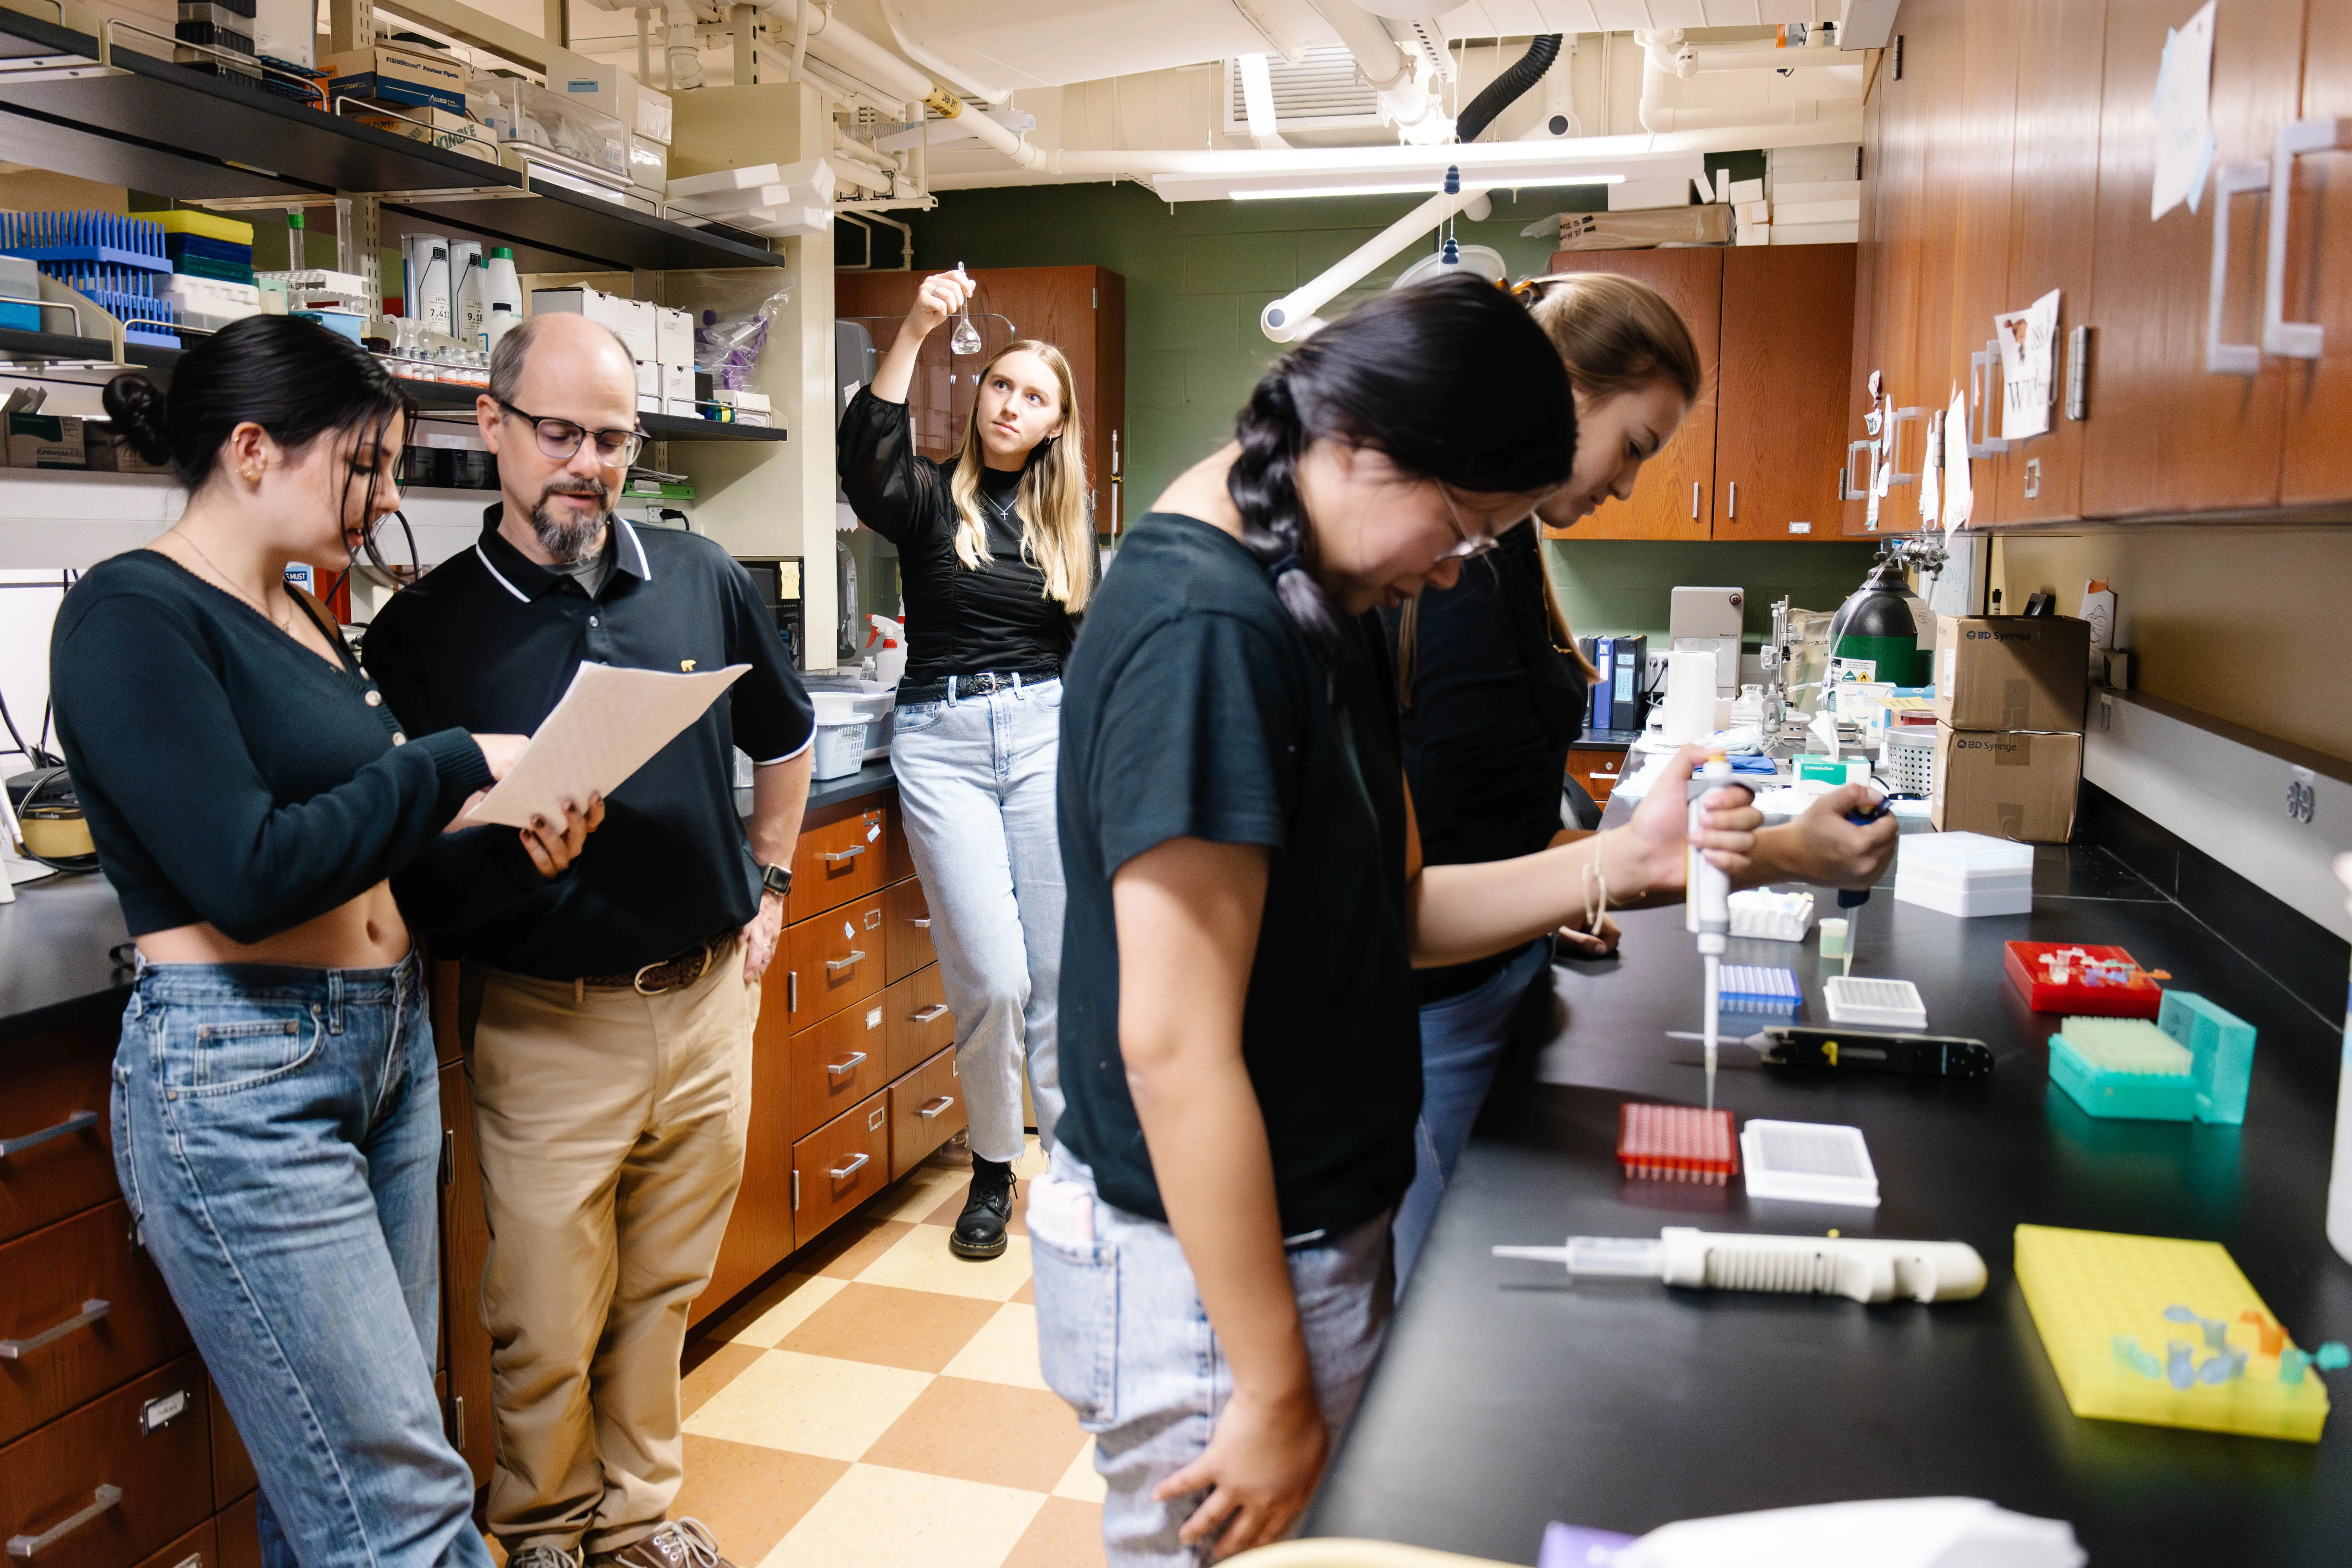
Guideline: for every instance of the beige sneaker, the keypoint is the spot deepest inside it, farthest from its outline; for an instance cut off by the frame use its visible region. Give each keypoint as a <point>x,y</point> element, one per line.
<point>680,1543</point>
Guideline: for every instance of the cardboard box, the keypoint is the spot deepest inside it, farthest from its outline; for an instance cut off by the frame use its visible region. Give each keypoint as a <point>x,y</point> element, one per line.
<point>2006,783</point>
<point>47,441</point>
<point>2012,672</point>
<point>674,340</point>
<point>629,320</point>
<point>678,384</point>
<point>110,451</point>
<point>434,127</point>
<point>648,165</point>
<point>649,382</point>
<point>399,76</point>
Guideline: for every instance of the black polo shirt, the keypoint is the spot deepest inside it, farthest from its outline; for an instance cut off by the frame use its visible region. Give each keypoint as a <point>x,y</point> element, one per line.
<point>488,642</point>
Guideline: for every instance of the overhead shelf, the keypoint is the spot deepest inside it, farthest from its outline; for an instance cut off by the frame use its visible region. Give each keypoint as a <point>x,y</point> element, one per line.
<point>445,398</point>
<point>154,126</point>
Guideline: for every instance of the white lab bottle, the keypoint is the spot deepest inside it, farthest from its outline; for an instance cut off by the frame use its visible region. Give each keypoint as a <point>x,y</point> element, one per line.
<point>500,286</point>
<point>471,307</point>
<point>435,288</point>
<point>1748,708</point>
<point>500,321</point>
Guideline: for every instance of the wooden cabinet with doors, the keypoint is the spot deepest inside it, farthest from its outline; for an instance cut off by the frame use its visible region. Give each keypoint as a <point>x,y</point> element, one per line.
<point>1673,498</point>
<point>1082,310</point>
<point>1780,392</point>
<point>2167,435</point>
<point>1757,457</point>
<point>2316,466</point>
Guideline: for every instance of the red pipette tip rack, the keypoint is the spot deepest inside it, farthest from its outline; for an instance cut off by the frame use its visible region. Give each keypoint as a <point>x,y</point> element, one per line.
<point>2083,982</point>
<point>1675,1143</point>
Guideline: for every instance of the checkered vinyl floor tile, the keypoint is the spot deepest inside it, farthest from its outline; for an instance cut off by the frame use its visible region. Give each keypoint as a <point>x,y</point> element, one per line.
<point>881,1406</point>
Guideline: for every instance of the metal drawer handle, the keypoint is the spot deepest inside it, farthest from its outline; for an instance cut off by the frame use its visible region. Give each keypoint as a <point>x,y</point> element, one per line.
<point>839,855</point>
<point>936,1106</point>
<point>2293,339</point>
<point>25,1546</point>
<point>929,1013</point>
<point>2230,180</point>
<point>922,922</point>
<point>91,1311</point>
<point>844,1068</point>
<point>74,1123</point>
<point>1597,774</point>
<point>856,1162</point>
<point>837,964</point>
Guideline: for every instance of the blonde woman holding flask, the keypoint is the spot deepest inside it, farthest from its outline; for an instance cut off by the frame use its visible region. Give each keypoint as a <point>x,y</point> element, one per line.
<point>997,556</point>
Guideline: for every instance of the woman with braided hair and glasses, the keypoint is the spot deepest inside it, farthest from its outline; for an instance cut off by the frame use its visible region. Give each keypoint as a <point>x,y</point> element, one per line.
<point>1491,688</point>
<point>1240,1048</point>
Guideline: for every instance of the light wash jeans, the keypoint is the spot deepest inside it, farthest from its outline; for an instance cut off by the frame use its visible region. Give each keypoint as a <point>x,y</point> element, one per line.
<point>976,783</point>
<point>278,1134</point>
<point>1462,1042</point>
<point>1122,1336</point>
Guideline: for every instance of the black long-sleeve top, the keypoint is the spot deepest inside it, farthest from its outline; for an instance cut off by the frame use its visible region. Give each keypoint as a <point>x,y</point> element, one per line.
<point>229,774</point>
<point>1495,708</point>
<point>959,621</point>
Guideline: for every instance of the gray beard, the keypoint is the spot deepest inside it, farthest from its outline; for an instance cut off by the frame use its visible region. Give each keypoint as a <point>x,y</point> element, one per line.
<point>566,540</point>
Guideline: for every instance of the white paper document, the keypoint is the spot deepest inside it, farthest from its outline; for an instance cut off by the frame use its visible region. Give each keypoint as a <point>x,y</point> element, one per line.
<point>2184,124</point>
<point>1960,485</point>
<point>2028,352</point>
<point>609,724</point>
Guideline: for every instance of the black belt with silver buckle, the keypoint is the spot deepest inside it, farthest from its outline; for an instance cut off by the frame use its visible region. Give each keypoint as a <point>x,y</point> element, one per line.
<point>662,974</point>
<point>980,685</point>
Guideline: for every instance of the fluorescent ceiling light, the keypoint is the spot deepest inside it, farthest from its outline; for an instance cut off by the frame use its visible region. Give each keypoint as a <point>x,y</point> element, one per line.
<point>1413,188</point>
<point>1257,94</point>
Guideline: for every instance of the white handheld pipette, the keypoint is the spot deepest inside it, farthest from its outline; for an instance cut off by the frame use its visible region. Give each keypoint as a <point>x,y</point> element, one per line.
<point>1860,1268</point>
<point>1707,901</point>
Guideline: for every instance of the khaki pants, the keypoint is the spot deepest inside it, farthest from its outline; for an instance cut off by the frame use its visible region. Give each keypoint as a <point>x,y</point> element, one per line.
<point>611,1127</point>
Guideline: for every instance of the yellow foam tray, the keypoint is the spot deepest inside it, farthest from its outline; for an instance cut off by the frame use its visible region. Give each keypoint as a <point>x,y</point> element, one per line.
<point>212,226</point>
<point>2089,1288</point>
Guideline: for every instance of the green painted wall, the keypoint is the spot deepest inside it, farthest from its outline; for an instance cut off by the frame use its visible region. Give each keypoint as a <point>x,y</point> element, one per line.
<point>1197,275</point>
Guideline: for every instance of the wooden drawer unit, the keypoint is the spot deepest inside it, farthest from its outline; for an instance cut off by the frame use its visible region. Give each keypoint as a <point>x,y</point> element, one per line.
<point>907,924</point>
<point>1596,770</point>
<point>838,1063</point>
<point>899,863</point>
<point>200,1548</point>
<point>116,1481</point>
<point>915,1014</point>
<point>834,959</point>
<point>840,1165</point>
<point>56,1138</point>
<point>239,1530</point>
<point>232,1475</point>
<point>835,862</point>
<point>84,1311</point>
<point>926,1108</point>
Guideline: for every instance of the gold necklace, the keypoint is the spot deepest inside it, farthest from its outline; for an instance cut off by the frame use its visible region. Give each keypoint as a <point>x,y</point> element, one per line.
<point>285,625</point>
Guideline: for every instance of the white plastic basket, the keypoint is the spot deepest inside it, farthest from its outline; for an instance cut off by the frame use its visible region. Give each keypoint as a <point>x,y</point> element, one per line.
<point>1774,917</point>
<point>1908,758</point>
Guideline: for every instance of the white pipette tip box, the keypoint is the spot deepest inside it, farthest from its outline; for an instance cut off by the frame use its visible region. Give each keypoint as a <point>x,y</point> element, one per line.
<point>1964,874</point>
<point>1808,1162</point>
<point>1864,999</point>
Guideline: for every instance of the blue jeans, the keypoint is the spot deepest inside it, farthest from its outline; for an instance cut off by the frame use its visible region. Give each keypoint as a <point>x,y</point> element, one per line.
<point>1123,1338</point>
<point>1461,1041</point>
<point>278,1134</point>
<point>976,787</point>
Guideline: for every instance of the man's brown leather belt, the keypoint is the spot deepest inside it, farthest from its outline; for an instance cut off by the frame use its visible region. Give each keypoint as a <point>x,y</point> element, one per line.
<point>665,975</point>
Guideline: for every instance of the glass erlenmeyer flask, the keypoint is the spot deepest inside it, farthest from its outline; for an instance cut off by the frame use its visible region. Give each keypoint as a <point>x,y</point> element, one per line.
<point>965,338</point>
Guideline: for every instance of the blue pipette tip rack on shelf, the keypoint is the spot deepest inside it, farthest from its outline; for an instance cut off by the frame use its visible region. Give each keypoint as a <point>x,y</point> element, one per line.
<point>114,261</point>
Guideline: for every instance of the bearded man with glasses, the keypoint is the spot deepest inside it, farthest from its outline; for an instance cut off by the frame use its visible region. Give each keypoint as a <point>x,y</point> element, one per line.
<point>607,1013</point>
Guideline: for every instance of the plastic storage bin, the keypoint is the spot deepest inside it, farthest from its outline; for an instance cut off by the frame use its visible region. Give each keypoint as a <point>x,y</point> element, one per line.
<point>1965,874</point>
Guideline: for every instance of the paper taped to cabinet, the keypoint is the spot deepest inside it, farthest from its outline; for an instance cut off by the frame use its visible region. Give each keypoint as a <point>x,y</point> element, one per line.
<point>609,724</point>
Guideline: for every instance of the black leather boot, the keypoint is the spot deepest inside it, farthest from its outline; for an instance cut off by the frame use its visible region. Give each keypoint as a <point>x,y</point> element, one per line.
<point>979,1230</point>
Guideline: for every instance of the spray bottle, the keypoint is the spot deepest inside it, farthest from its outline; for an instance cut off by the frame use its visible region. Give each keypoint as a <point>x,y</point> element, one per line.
<point>890,659</point>
<point>1707,901</point>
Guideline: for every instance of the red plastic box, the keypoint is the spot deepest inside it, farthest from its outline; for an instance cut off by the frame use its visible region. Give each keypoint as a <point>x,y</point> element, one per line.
<point>2097,982</point>
<point>1675,1143</point>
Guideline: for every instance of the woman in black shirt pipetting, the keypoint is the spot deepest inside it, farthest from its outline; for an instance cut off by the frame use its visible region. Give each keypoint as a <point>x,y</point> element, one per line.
<point>276,1110</point>
<point>997,554</point>
<point>1492,688</point>
<point>1240,1048</point>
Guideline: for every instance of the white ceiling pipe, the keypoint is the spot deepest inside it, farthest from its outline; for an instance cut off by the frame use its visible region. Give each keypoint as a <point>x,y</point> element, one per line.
<point>684,49</point>
<point>1402,95</point>
<point>838,43</point>
<point>1491,164</point>
<point>956,76</point>
<point>1294,315</point>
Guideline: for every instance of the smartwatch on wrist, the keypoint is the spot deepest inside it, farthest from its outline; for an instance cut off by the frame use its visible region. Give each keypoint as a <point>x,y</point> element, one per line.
<point>776,879</point>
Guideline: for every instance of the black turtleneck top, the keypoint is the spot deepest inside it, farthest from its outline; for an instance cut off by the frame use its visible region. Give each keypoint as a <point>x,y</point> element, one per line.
<point>959,621</point>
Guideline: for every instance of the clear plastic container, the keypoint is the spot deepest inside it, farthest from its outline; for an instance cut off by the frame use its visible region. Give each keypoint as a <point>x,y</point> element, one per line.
<point>1748,708</point>
<point>558,122</point>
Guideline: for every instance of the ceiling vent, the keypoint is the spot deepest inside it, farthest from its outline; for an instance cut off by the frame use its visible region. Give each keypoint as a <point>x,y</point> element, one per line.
<point>1323,91</point>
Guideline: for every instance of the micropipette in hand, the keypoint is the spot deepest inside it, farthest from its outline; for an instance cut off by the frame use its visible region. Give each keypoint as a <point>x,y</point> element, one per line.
<point>1862,1268</point>
<point>1707,900</point>
<point>1851,898</point>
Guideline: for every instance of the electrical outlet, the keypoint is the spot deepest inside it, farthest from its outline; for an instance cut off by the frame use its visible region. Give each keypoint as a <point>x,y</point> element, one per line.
<point>1654,673</point>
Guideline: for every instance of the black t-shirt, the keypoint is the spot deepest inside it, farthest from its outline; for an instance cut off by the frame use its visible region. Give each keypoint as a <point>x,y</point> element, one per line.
<point>1496,708</point>
<point>959,621</point>
<point>1194,707</point>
